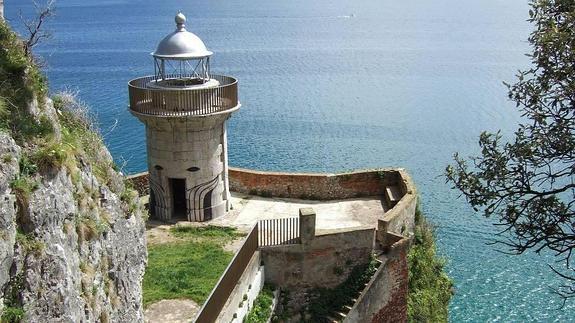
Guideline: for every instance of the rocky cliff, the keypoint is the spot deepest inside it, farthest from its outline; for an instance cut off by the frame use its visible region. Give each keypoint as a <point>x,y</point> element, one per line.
<point>72,245</point>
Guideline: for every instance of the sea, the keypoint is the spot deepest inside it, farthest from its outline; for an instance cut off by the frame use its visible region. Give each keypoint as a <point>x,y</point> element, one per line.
<point>332,86</point>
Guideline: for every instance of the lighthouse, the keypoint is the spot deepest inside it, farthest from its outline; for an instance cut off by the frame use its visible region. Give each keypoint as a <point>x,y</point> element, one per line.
<point>185,108</point>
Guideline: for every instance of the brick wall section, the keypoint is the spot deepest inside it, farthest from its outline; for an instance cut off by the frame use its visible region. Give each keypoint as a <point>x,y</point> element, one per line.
<point>313,186</point>
<point>325,262</point>
<point>140,182</point>
<point>306,186</point>
<point>385,297</point>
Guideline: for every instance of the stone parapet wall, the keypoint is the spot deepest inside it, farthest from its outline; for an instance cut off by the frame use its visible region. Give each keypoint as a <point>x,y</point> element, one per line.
<point>384,299</point>
<point>140,182</point>
<point>313,186</point>
<point>250,284</point>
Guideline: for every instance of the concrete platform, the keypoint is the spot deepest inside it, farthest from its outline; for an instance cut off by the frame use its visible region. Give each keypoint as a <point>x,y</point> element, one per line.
<point>337,214</point>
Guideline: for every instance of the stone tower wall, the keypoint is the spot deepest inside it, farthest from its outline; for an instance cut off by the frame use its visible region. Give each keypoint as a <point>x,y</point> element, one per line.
<point>192,149</point>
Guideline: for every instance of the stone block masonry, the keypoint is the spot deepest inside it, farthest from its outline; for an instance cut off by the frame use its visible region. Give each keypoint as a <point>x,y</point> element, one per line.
<point>319,261</point>
<point>385,297</point>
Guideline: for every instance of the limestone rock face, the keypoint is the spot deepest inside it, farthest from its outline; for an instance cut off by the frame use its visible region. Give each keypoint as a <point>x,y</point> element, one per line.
<point>73,249</point>
<point>9,155</point>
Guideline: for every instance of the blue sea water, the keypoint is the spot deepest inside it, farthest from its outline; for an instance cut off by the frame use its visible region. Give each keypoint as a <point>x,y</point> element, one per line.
<point>334,85</point>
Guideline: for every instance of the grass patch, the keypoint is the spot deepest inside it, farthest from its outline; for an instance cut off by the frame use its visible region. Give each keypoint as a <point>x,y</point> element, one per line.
<point>13,311</point>
<point>189,268</point>
<point>23,187</point>
<point>430,289</point>
<point>21,82</point>
<point>89,228</point>
<point>262,309</point>
<point>29,243</point>
<point>183,270</point>
<point>210,231</point>
<point>12,314</point>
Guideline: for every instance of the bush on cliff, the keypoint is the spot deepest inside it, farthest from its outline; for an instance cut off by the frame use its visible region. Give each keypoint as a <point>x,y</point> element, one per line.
<point>430,289</point>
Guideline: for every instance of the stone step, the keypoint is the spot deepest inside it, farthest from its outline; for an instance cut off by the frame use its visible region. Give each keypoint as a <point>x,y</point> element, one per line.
<point>331,319</point>
<point>392,195</point>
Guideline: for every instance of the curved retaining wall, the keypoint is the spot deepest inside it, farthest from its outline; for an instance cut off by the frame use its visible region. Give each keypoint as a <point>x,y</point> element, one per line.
<point>312,186</point>
<point>398,220</point>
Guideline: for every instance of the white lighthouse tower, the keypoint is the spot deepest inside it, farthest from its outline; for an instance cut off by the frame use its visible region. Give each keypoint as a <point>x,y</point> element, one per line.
<point>185,108</point>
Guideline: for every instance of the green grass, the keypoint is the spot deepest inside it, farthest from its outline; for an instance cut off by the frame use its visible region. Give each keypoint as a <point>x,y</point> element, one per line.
<point>223,234</point>
<point>262,309</point>
<point>189,268</point>
<point>22,81</point>
<point>12,315</point>
<point>183,270</point>
<point>430,289</point>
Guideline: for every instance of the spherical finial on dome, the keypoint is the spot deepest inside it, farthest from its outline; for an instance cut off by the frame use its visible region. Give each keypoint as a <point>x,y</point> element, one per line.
<point>181,44</point>
<point>180,18</point>
<point>180,21</point>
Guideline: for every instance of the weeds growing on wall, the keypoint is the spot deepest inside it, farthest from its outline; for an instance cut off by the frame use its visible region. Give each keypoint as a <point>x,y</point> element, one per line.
<point>262,309</point>
<point>430,289</point>
<point>325,301</point>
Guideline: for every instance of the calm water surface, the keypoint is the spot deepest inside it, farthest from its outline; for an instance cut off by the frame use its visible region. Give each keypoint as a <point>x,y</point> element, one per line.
<point>334,85</point>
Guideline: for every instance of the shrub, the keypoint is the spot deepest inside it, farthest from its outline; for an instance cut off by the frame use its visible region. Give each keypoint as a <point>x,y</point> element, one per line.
<point>22,82</point>
<point>430,289</point>
<point>12,314</point>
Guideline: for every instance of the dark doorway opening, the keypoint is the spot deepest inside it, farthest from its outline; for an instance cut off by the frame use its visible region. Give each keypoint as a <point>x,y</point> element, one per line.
<point>208,206</point>
<point>178,186</point>
<point>152,204</point>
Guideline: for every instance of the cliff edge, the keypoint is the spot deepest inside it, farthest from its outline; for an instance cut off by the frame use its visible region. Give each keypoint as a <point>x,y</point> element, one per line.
<point>73,245</point>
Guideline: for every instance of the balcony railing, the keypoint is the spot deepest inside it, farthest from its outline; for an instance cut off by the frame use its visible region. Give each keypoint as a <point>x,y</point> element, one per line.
<point>180,101</point>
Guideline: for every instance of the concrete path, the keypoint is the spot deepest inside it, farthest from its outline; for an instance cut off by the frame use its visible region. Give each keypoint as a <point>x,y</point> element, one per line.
<point>338,214</point>
<point>171,311</point>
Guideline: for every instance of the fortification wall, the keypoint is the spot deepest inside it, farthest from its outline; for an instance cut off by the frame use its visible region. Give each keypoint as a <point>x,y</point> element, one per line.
<point>385,297</point>
<point>399,219</point>
<point>313,186</point>
<point>324,261</point>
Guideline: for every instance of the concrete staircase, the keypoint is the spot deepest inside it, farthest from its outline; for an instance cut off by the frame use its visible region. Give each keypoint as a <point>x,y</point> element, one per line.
<point>340,314</point>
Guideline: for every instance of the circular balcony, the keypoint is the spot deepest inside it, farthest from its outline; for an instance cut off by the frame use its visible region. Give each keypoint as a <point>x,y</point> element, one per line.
<point>178,101</point>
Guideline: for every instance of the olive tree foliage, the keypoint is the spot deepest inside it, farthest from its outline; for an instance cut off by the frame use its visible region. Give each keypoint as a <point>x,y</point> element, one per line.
<point>527,182</point>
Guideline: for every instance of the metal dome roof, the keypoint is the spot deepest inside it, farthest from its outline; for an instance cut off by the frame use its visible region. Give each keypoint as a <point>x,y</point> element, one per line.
<point>181,44</point>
